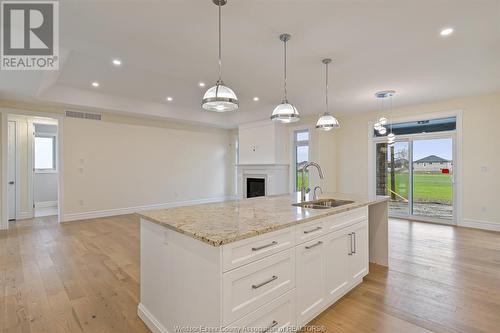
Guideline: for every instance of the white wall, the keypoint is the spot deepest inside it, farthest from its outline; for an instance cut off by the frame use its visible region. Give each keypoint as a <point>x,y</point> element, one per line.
<point>45,187</point>
<point>110,166</point>
<point>123,164</point>
<point>481,161</point>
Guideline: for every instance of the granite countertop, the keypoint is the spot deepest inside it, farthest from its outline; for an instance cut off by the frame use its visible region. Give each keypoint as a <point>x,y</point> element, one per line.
<point>229,221</point>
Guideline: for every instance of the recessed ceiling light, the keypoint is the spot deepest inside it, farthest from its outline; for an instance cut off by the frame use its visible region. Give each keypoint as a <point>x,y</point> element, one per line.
<point>95,84</point>
<point>117,62</point>
<point>256,99</point>
<point>170,99</point>
<point>446,32</point>
<point>201,84</point>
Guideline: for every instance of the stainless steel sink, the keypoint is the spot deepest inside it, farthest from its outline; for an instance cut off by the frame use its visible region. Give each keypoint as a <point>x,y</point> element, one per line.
<point>323,203</point>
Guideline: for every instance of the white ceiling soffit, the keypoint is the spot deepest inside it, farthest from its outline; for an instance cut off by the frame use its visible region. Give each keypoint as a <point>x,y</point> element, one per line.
<point>168,47</point>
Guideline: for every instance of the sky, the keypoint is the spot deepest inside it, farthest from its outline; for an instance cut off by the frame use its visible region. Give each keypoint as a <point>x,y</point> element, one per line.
<point>423,148</point>
<point>439,147</point>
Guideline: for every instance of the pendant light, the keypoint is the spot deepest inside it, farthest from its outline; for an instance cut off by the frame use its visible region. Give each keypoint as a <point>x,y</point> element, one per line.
<point>220,98</point>
<point>327,122</point>
<point>285,112</point>
<point>380,125</point>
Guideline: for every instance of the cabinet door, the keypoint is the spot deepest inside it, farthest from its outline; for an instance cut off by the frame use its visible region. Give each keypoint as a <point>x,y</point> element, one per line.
<point>359,259</point>
<point>311,274</point>
<point>337,249</point>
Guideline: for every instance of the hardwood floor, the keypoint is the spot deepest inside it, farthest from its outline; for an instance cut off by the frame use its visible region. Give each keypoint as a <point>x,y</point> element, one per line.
<point>84,277</point>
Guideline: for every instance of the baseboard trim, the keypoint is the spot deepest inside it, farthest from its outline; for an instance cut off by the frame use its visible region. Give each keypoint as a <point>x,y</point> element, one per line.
<point>24,215</point>
<point>154,325</point>
<point>131,210</point>
<point>46,204</point>
<point>478,224</point>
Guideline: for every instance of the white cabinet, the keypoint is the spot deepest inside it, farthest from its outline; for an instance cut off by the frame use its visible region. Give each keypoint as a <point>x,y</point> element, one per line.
<point>311,280</point>
<point>273,281</point>
<point>247,288</point>
<point>277,316</point>
<point>358,261</point>
<point>338,277</point>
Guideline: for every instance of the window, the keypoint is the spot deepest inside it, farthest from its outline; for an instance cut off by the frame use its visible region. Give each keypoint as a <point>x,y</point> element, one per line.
<point>301,152</point>
<point>45,152</point>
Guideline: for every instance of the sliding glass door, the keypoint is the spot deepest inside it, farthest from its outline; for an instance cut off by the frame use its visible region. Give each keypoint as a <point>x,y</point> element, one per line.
<point>417,174</point>
<point>393,176</point>
<point>433,178</point>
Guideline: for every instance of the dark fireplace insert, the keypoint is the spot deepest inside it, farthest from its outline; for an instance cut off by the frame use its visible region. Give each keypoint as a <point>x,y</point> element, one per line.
<point>256,187</point>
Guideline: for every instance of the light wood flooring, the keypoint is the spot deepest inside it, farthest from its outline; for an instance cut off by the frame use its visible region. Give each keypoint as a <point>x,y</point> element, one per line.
<point>84,277</point>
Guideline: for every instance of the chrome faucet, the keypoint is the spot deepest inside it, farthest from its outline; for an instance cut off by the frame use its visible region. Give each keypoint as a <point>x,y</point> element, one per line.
<point>303,189</point>
<point>315,196</point>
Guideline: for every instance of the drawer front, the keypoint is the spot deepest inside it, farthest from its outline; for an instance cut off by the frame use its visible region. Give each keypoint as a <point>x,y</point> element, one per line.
<point>277,316</point>
<point>248,250</point>
<point>309,230</point>
<point>339,221</point>
<point>248,287</point>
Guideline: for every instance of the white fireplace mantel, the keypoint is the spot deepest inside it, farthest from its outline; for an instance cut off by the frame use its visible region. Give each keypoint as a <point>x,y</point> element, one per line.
<point>275,175</point>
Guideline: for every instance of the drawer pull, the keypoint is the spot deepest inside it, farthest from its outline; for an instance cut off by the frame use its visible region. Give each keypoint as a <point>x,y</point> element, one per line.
<point>314,245</point>
<point>350,244</point>
<point>256,286</point>
<point>354,234</point>
<point>264,246</point>
<point>312,230</point>
<point>273,324</point>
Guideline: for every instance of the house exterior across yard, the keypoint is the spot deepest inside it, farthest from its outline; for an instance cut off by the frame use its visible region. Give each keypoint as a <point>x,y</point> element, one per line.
<point>432,163</point>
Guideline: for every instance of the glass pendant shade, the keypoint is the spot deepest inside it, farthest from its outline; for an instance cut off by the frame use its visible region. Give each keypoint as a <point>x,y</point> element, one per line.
<point>382,131</point>
<point>327,122</point>
<point>383,121</point>
<point>220,98</point>
<point>285,113</point>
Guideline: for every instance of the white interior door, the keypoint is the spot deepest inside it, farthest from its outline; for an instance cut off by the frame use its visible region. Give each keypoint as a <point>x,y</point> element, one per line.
<point>11,170</point>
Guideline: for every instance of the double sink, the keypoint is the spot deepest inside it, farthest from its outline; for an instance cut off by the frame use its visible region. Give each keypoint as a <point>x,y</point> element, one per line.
<point>323,203</point>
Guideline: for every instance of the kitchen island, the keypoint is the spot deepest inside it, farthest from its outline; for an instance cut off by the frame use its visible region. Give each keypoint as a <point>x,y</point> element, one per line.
<point>260,264</point>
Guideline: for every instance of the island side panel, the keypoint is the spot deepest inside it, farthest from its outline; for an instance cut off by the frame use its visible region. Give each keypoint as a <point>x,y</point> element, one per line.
<point>180,280</point>
<point>379,233</point>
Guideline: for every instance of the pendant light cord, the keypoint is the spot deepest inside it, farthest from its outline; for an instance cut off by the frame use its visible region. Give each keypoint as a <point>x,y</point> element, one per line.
<point>220,43</point>
<point>285,99</point>
<point>326,94</point>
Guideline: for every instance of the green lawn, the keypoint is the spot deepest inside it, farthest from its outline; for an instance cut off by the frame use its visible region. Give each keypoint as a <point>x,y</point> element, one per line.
<point>427,187</point>
<point>299,180</point>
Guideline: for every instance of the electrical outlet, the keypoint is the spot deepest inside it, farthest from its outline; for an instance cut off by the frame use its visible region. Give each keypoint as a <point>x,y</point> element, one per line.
<point>81,202</point>
<point>484,209</point>
<point>484,169</point>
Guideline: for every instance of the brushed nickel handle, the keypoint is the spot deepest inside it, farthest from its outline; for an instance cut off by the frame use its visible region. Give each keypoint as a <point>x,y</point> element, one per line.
<point>312,230</point>
<point>354,234</point>
<point>350,244</point>
<point>257,286</point>
<point>314,245</point>
<point>273,324</point>
<point>264,246</point>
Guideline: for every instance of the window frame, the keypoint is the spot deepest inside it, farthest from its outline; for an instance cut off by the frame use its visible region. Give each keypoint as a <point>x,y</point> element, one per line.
<point>52,136</point>
<point>296,144</point>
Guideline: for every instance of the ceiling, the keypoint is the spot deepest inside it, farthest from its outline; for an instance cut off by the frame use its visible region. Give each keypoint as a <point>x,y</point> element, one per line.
<point>168,47</point>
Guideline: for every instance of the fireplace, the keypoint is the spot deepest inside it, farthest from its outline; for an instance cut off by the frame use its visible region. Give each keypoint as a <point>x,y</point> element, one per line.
<point>256,187</point>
